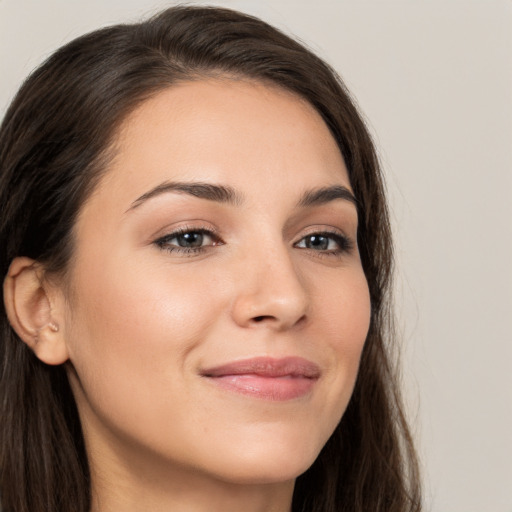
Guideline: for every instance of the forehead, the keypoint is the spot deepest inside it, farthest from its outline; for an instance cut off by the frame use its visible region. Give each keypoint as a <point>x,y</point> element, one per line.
<point>249,135</point>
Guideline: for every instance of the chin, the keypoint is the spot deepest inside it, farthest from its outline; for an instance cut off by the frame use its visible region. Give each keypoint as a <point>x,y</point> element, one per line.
<point>267,464</point>
<point>265,474</point>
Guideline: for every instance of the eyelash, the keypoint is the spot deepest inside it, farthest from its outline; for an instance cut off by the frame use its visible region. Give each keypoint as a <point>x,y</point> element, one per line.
<point>163,242</point>
<point>345,244</point>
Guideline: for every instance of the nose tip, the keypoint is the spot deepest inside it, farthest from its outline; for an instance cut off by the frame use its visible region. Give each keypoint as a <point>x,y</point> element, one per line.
<point>273,296</point>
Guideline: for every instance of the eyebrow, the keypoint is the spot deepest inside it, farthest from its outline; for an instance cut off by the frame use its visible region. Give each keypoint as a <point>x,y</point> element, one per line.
<point>217,193</point>
<point>325,195</point>
<point>228,195</point>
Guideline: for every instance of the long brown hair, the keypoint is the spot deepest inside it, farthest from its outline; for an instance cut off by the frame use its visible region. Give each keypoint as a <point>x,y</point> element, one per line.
<point>55,142</point>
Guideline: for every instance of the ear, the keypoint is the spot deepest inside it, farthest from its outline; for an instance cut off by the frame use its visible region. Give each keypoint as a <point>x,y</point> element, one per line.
<point>29,310</point>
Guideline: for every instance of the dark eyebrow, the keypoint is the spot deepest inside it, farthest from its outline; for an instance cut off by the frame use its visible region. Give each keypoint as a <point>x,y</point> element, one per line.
<point>325,195</point>
<point>218,193</point>
<point>228,195</point>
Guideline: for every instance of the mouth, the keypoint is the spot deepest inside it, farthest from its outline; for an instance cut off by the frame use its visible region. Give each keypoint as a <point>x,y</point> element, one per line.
<point>266,378</point>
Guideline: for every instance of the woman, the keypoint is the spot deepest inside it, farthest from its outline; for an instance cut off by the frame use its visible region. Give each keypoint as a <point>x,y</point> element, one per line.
<point>197,259</point>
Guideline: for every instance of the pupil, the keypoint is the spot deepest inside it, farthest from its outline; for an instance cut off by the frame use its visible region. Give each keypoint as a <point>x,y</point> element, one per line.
<point>317,242</point>
<point>190,240</point>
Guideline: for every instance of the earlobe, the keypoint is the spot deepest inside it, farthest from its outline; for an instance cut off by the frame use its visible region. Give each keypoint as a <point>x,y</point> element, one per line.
<point>29,310</point>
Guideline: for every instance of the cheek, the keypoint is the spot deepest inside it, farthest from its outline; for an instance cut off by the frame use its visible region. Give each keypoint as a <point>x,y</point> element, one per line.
<point>132,326</point>
<point>125,304</point>
<point>345,319</point>
<point>346,313</point>
<point>133,332</point>
<point>137,330</point>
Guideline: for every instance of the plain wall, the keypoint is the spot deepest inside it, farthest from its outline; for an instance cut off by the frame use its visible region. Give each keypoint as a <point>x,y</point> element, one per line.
<point>435,81</point>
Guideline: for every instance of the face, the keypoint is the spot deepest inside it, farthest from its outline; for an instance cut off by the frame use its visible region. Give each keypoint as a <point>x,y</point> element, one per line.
<point>216,307</point>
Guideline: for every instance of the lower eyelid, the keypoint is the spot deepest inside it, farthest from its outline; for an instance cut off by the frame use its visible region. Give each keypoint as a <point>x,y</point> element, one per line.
<point>345,244</point>
<point>339,238</point>
<point>164,244</point>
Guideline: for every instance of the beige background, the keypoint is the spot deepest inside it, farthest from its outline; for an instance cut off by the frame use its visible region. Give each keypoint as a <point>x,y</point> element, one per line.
<point>435,80</point>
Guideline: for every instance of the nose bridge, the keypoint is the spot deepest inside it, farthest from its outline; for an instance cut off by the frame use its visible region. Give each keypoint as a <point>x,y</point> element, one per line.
<point>271,289</point>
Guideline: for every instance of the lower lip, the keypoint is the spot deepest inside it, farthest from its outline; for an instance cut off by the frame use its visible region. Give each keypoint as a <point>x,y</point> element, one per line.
<point>267,388</point>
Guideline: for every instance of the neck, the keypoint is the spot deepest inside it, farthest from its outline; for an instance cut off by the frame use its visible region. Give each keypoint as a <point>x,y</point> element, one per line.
<point>184,491</point>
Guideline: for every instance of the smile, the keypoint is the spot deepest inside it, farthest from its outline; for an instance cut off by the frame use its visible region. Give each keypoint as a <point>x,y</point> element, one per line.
<point>266,378</point>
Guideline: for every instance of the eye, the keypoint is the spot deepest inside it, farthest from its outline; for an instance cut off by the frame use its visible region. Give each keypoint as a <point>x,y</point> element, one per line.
<point>188,240</point>
<point>329,243</point>
<point>191,239</point>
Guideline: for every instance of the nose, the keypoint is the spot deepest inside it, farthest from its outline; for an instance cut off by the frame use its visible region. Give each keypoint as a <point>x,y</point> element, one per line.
<point>270,292</point>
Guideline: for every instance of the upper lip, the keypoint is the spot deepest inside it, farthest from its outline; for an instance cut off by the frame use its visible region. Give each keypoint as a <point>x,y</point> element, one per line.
<point>267,367</point>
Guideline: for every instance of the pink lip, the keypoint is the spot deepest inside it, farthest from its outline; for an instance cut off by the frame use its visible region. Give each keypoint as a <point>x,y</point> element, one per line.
<point>267,378</point>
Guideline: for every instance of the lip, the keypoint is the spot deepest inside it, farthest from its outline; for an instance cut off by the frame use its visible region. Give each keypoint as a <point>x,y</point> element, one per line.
<point>267,378</point>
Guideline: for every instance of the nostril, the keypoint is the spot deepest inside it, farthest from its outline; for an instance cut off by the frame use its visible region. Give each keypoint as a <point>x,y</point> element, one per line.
<point>260,318</point>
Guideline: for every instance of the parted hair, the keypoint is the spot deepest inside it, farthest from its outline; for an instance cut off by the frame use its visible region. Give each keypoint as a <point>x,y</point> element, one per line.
<point>56,141</point>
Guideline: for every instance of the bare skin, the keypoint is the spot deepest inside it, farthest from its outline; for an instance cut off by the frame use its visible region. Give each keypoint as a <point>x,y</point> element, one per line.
<point>170,280</point>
